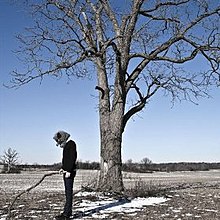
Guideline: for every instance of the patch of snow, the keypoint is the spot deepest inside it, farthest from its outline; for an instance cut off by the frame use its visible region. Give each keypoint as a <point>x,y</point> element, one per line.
<point>42,200</point>
<point>189,214</point>
<point>79,194</point>
<point>137,204</point>
<point>133,214</point>
<point>105,205</point>
<point>165,215</point>
<point>100,216</point>
<point>210,210</point>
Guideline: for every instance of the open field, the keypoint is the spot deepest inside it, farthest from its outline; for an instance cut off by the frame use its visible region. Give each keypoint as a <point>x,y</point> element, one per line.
<point>188,195</point>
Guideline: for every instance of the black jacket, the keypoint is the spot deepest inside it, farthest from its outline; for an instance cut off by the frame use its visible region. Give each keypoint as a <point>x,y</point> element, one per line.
<point>69,158</point>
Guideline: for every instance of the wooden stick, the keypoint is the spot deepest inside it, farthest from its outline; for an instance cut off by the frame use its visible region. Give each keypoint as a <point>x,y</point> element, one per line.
<point>27,190</point>
<point>84,188</point>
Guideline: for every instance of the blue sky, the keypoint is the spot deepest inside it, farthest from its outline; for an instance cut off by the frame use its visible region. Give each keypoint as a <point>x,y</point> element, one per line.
<point>30,115</point>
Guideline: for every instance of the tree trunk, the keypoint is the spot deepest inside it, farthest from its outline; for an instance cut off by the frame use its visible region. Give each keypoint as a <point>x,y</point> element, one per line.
<point>110,178</point>
<point>8,168</point>
<point>111,129</point>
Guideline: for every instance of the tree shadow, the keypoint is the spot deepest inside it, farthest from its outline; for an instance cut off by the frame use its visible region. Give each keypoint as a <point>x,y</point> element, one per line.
<point>90,212</point>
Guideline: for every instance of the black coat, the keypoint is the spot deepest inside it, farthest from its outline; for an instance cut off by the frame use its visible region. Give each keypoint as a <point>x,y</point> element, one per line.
<point>69,158</point>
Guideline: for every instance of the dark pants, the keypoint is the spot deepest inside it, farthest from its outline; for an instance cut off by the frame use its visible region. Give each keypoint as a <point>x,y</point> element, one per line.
<point>68,183</point>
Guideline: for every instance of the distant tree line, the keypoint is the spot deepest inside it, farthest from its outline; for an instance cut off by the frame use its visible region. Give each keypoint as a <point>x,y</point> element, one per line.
<point>169,167</point>
<point>9,164</point>
<point>87,165</point>
<point>130,166</point>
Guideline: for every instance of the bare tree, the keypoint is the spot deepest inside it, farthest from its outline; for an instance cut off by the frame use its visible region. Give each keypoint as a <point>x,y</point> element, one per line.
<point>10,158</point>
<point>146,161</point>
<point>137,48</point>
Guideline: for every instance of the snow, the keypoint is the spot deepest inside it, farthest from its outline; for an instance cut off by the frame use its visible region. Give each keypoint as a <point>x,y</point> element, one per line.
<point>137,204</point>
<point>105,205</point>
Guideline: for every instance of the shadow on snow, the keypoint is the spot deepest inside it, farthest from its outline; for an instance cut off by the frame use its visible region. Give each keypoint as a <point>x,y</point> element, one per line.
<point>90,212</point>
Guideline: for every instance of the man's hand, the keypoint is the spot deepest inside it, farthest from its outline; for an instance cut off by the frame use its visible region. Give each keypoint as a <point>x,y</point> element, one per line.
<point>61,171</point>
<point>67,174</point>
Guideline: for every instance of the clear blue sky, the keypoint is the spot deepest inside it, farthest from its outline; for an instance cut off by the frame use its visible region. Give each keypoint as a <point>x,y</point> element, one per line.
<point>30,115</point>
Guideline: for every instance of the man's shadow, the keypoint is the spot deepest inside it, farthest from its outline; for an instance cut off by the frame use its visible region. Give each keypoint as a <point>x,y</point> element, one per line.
<point>90,212</point>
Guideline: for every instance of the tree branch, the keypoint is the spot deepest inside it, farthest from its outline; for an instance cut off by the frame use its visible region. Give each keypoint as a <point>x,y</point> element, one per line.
<point>163,4</point>
<point>151,90</point>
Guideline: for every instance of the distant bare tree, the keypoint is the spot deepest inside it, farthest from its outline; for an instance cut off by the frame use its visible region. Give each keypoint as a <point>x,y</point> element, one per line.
<point>146,161</point>
<point>133,48</point>
<point>129,161</point>
<point>10,158</point>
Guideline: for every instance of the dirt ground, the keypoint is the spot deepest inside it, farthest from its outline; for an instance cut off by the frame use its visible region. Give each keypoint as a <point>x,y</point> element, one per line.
<point>190,195</point>
<point>200,203</point>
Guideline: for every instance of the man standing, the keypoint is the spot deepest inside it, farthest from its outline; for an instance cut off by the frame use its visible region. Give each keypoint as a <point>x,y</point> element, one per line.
<point>68,170</point>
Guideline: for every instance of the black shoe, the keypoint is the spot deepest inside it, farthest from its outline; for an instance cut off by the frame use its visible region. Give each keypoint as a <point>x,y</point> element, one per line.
<point>62,217</point>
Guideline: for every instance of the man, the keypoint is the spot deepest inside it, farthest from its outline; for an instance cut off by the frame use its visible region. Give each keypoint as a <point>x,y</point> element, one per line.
<point>68,170</point>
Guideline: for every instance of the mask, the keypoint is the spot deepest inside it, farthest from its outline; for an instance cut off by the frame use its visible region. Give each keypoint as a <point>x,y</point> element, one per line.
<point>61,138</point>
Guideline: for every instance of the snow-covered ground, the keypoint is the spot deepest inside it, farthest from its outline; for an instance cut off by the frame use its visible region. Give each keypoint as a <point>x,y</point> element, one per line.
<point>105,205</point>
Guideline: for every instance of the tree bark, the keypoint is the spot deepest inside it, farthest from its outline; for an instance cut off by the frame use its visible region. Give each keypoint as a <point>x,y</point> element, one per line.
<point>110,178</point>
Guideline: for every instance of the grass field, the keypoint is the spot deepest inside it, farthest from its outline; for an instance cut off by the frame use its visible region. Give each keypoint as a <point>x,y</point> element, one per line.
<point>185,195</point>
